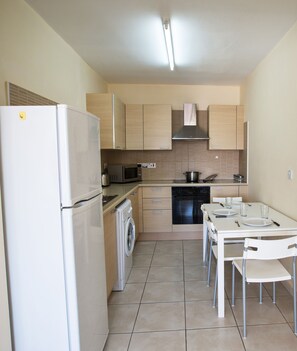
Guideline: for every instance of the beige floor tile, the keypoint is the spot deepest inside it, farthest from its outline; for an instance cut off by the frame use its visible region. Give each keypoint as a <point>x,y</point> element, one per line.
<point>160,317</point>
<point>145,247</point>
<point>122,318</point>
<point>163,274</point>
<point>285,304</point>
<point>163,341</point>
<point>201,314</point>
<point>197,273</point>
<point>270,337</point>
<point>265,313</point>
<point>169,247</point>
<point>218,339</point>
<point>192,258</point>
<point>131,294</point>
<point>197,290</point>
<point>142,261</point>
<point>117,342</point>
<point>167,260</point>
<point>252,290</point>
<point>138,275</point>
<point>291,325</point>
<point>194,246</point>
<point>163,292</point>
<point>280,289</point>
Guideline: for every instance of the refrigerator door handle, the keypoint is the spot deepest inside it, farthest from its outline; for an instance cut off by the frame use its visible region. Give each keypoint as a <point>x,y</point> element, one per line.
<point>83,202</point>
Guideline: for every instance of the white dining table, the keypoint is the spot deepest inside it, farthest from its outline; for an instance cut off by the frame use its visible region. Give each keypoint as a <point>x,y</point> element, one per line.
<point>227,228</point>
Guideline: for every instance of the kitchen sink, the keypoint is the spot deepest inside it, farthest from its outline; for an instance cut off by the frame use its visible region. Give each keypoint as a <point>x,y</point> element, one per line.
<point>107,198</point>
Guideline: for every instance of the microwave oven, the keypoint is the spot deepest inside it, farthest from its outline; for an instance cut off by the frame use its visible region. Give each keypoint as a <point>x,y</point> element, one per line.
<point>124,173</point>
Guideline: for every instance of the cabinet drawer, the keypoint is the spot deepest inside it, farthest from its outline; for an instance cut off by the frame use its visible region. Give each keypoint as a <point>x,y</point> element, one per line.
<point>157,203</point>
<point>156,191</point>
<point>157,221</point>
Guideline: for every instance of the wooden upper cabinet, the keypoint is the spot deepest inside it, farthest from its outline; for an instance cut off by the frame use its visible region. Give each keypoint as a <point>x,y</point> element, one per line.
<point>222,127</point>
<point>226,127</point>
<point>134,127</point>
<point>111,112</point>
<point>240,127</point>
<point>157,127</point>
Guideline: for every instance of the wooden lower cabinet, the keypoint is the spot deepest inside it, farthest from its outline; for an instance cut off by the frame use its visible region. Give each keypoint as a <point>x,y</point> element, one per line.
<point>157,221</point>
<point>110,244</point>
<point>157,213</point>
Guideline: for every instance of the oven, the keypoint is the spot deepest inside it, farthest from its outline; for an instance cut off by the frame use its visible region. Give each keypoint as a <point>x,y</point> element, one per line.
<point>186,203</point>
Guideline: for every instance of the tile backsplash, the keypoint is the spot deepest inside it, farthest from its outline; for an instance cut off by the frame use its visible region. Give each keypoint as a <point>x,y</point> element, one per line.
<point>184,156</point>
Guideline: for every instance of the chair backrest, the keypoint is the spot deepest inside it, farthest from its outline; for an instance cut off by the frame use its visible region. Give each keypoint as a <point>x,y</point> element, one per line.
<point>219,199</point>
<point>212,232</point>
<point>223,199</point>
<point>270,249</point>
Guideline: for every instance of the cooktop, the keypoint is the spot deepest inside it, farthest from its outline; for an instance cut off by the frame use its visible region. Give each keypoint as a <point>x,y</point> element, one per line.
<point>185,182</point>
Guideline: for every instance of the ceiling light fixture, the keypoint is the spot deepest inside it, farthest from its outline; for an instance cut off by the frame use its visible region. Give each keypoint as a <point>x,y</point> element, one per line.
<point>168,41</point>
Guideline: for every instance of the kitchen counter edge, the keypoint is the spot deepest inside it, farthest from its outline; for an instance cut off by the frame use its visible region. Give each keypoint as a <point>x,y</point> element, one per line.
<point>124,190</point>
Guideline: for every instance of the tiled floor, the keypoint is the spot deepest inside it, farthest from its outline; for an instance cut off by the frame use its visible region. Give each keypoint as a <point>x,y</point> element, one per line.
<point>167,306</point>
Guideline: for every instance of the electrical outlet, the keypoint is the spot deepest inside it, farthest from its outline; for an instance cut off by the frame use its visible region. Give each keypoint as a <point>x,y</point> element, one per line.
<point>147,165</point>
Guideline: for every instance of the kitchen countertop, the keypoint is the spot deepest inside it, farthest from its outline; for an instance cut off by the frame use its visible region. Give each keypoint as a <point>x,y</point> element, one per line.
<point>124,190</point>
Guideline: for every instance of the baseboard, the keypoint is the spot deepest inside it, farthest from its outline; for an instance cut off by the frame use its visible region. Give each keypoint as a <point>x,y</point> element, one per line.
<point>187,227</point>
<point>171,236</point>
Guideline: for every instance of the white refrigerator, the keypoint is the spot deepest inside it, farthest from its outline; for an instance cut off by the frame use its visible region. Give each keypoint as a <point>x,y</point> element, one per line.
<point>53,228</point>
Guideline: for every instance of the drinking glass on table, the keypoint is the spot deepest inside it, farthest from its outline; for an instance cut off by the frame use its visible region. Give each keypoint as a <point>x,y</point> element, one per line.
<point>243,209</point>
<point>228,202</point>
<point>264,211</point>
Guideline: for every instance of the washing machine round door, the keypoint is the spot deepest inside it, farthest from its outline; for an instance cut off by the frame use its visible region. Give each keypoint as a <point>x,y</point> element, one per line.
<point>129,236</point>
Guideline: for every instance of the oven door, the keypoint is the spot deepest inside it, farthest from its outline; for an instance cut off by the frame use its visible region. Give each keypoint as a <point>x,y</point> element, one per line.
<point>186,203</point>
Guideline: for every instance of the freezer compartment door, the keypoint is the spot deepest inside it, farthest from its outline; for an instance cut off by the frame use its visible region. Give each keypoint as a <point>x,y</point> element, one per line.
<point>79,155</point>
<point>85,275</point>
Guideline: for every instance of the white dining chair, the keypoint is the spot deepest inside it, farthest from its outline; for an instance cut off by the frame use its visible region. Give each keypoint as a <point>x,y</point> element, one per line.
<point>260,264</point>
<point>231,251</point>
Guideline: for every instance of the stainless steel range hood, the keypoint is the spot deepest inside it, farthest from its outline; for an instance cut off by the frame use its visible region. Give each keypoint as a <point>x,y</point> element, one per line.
<point>190,130</point>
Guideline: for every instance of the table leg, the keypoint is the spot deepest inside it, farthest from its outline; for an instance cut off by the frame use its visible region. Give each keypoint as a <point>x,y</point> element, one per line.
<point>221,277</point>
<point>204,241</point>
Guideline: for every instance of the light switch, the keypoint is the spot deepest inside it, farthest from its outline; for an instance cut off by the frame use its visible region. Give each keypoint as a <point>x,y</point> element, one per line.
<point>290,174</point>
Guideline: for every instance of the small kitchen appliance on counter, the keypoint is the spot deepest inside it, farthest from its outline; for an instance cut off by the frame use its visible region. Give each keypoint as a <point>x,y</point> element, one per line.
<point>105,176</point>
<point>238,177</point>
<point>124,173</point>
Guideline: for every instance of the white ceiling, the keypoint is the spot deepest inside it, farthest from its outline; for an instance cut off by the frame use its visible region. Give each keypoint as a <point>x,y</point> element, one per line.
<point>215,41</point>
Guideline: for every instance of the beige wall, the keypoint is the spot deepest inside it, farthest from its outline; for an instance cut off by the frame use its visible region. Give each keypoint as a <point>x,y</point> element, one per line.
<point>34,57</point>
<point>184,156</point>
<point>270,98</point>
<point>176,95</point>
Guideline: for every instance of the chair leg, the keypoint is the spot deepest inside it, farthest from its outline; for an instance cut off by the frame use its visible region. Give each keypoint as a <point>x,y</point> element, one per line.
<point>273,292</point>
<point>233,285</point>
<point>244,305</point>
<point>206,252</point>
<point>260,294</point>
<point>295,297</point>
<point>215,289</point>
<point>209,263</point>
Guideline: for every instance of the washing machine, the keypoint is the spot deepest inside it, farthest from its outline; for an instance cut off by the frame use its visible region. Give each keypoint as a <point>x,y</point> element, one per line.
<point>125,229</point>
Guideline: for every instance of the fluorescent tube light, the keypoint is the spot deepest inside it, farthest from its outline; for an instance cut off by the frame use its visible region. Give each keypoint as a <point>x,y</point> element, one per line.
<point>168,41</point>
